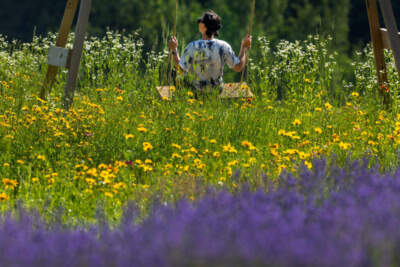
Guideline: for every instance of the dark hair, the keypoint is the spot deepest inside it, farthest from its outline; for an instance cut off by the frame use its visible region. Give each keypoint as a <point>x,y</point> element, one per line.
<point>212,22</point>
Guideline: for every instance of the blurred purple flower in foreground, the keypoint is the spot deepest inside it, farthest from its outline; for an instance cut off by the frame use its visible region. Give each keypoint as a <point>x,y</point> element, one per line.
<point>335,217</point>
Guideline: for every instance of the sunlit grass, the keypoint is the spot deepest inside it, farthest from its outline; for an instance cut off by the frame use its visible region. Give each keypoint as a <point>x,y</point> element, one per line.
<point>120,141</point>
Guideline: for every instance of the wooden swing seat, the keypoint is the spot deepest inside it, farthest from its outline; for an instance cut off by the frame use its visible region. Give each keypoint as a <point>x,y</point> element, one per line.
<point>230,90</point>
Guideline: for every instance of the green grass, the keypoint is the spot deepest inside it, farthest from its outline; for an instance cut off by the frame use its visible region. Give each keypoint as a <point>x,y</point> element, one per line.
<point>120,142</point>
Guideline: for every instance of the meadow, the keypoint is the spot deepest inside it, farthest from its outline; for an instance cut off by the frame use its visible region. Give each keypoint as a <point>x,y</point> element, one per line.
<point>121,143</point>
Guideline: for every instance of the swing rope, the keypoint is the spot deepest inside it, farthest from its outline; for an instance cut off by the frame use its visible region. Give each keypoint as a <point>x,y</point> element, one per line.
<point>172,64</point>
<point>253,6</point>
<point>170,59</point>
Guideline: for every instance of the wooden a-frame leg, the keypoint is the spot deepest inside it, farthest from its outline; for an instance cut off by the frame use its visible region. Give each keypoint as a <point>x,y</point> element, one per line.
<point>390,22</point>
<point>377,43</point>
<point>80,34</point>
<point>66,23</point>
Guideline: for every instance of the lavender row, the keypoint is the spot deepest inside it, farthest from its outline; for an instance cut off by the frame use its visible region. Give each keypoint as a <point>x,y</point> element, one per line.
<point>327,217</point>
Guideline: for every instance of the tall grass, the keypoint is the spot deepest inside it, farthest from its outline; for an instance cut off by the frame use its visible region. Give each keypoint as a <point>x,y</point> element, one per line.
<point>120,141</point>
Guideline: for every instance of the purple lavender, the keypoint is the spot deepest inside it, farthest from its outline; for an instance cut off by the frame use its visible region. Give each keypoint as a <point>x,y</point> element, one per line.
<point>327,217</point>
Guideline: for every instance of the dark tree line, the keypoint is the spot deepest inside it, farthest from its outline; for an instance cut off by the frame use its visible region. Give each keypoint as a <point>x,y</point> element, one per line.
<point>345,20</point>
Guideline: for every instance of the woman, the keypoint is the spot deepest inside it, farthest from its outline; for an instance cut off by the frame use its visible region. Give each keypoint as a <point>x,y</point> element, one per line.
<point>204,59</point>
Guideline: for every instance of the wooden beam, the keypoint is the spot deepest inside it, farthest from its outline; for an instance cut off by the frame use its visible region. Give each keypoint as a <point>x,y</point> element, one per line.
<point>378,46</point>
<point>390,21</point>
<point>80,34</point>
<point>66,23</point>
<point>386,39</point>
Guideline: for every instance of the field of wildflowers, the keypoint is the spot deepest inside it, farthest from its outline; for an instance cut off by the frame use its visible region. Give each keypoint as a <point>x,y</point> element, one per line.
<point>329,216</point>
<point>120,142</point>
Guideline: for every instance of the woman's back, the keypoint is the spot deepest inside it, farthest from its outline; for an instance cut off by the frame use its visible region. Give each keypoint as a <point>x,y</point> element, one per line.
<point>205,60</point>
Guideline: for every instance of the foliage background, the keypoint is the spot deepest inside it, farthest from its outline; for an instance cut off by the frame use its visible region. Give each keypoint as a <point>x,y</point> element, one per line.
<point>345,20</point>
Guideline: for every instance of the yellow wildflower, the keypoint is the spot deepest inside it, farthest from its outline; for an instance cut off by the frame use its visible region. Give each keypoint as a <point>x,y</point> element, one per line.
<point>176,146</point>
<point>147,146</point>
<point>290,151</point>
<point>372,143</point>
<point>41,157</point>
<point>216,154</point>
<point>88,191</point>
<point>129,136</point>
<point>274,146</point>
<point>296,122</point>
<point>3,197</point>
<point>304,155</point>
<point>142,130</point>
<point>10,184</point>
<point>252,160</point>
<point>233,163</point>
<point>229,148</point>
<point>119,185</point>
<point>104,174</point>
<point>90,181</point>
<point>281,132</point>
<point>176,156</point>
<point>308,164</point>
<point>328,106</point>
<point>102,166</point>
<point>194,150</point>
<point>281,168</point>
<point>274,152</point>
<point>318,130</point>
<point>108,194</point>
<point>92,172</point>
<point>246,143</point>
<point>344,146</point>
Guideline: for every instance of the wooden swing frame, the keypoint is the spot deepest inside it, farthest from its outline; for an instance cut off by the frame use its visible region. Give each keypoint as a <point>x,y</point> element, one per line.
<point>61,57</point>
<point>229,90</point>
<point>383,38</point>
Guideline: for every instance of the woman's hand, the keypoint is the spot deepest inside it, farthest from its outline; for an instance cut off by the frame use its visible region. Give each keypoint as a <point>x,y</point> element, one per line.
<point>173,44</point>
<point>246,42</point>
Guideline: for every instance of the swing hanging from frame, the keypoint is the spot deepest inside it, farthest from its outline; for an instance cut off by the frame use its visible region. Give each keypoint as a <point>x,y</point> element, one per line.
<point>229,90</point>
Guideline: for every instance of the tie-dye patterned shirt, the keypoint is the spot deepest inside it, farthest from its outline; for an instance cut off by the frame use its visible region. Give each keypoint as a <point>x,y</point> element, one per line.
<point>205,60</point>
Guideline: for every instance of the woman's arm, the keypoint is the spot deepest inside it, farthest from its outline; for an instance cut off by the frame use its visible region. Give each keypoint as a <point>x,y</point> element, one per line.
<point>244,48</point>
<point>173,45</point>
